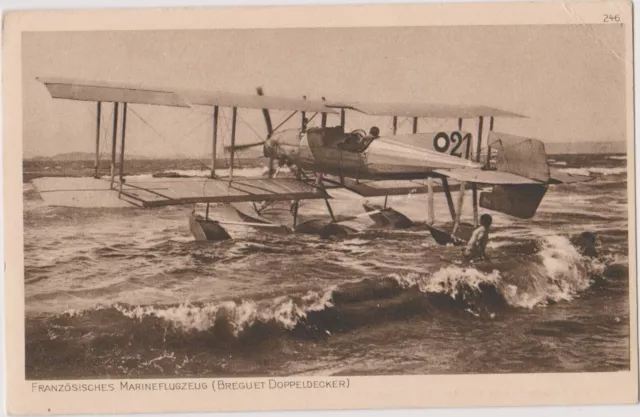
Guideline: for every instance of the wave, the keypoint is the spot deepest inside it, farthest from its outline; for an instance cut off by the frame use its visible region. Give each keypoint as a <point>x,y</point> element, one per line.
<point>594,171</point>
<point>555,273</point>
<point>285,311</point>
<point>618,158</point>
<point>560,274</point>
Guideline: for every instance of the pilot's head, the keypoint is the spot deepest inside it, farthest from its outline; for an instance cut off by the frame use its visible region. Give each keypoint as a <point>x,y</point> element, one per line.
<point>374,131</point>
<point>486,220</point>
<point>587,243</point>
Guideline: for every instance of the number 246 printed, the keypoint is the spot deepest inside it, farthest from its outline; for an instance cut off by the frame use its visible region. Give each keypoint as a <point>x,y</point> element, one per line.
<point>611,18</point>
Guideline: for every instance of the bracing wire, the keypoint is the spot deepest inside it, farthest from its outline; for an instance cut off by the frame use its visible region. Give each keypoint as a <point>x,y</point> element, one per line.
<point>105,132</point>
<point>104,128</point>
<point>402,122</point>
<point>242,120</point>
<point>164,138</point>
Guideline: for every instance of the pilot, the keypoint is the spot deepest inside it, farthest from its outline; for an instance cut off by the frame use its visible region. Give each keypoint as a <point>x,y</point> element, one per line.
<point>374,133</point>
<point>587,243</point>
<point>357,141</point>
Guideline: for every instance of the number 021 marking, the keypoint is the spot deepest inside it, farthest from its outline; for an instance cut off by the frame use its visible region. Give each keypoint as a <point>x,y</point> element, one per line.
<point>611,18</point>
<point>442,142</point>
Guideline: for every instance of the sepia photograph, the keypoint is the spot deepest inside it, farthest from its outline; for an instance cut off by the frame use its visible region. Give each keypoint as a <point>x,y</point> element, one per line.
<point>346,201</point>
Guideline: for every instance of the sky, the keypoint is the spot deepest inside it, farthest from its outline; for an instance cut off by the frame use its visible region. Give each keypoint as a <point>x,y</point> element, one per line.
<point>569,80</point>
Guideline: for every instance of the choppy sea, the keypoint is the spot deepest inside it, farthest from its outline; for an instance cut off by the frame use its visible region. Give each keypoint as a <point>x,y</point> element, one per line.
<point>129,293</point>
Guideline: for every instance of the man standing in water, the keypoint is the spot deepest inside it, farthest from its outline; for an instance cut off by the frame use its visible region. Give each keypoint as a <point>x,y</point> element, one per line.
<point>475,248</point>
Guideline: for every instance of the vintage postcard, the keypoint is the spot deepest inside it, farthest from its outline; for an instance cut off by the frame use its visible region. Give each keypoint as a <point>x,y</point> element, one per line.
<point>314,207</point>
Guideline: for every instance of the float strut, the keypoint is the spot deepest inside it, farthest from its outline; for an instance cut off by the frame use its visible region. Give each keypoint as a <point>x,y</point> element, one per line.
<point>447,192</point>
<point>333,218</point>
<point>295,214</point>
<point>456,223</point>
<point>474,196</point>
<point>431,213</point>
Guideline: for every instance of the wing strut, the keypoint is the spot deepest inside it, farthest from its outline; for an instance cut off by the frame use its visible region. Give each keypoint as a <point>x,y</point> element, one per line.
<point>214,146</point>
<point>474,187</point>
<point>489,147</point>
<point>323,123</point>
<point>303,119</point>
<point>124,133</point>
<point>479,142</point>
<point>234,115</point>
<point>97,164</point>
<point>113,143</point>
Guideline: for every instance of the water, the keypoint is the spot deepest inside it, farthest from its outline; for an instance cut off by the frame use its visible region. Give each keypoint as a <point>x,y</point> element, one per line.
<point>129,293</point>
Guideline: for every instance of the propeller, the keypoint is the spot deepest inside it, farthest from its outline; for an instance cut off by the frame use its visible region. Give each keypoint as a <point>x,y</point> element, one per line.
<point>267,121</point>
<point>265,113</point>
<point>246,146</point>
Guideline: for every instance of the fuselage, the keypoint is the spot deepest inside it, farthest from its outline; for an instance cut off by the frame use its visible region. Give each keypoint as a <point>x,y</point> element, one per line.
<point>329,150</point>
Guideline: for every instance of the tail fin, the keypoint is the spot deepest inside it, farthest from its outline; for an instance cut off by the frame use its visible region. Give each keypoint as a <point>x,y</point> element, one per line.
<point>523,157</point>
<point>520,156</point>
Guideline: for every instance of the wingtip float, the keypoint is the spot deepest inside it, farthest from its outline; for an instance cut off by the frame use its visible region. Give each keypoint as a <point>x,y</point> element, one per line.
<point>321,158</point>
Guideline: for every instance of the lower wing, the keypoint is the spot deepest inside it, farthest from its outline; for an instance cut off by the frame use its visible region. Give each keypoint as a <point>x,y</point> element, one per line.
<point>158,192</point>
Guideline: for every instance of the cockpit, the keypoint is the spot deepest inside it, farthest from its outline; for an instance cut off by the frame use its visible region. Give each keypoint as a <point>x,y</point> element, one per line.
<point>358,140</point>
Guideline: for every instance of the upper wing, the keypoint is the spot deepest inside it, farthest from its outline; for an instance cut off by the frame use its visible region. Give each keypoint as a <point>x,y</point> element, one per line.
<point>72,89</point>
<point>426,110</point>
<point>83,90</point>
<point>247,101</point>
<point>76,89</point>
<point>156,192</point>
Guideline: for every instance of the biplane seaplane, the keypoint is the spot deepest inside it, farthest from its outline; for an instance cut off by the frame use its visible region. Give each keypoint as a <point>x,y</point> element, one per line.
<point>513,170</point>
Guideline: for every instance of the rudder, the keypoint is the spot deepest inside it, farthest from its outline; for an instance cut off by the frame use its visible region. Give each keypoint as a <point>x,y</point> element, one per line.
<point>520,201</point>
<point>524,157</point>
